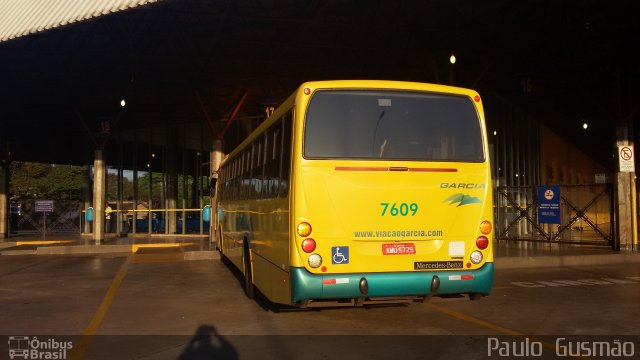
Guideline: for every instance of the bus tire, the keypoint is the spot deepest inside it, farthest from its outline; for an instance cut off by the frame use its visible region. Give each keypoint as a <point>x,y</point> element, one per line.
<point>223,258</point>
<point>249,288</point>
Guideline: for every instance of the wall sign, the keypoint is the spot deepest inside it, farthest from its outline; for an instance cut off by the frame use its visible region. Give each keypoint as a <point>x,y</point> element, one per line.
<point>549,204</point>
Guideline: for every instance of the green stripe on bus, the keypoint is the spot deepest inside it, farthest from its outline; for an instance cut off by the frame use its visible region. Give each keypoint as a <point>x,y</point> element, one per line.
<point>307,286</point>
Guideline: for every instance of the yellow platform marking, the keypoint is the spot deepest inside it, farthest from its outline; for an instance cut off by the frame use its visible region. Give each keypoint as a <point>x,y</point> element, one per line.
<point>136,247</point>
<point>158,257</point>
<point>43,242</point>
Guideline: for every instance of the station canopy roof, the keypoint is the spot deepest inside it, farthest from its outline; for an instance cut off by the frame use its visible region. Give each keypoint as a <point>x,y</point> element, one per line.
<point>23,17</point>
<point>65,65</point>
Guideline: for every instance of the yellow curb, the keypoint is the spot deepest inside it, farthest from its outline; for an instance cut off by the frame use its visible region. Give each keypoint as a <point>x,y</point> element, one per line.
<point>42,242</point>
<point>136,247</point>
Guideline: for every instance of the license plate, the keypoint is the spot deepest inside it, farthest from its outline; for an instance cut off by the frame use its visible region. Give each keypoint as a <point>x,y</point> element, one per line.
<point>398,249</point>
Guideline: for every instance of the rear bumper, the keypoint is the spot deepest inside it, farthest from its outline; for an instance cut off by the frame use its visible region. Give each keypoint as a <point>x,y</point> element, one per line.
<point>307,286</point>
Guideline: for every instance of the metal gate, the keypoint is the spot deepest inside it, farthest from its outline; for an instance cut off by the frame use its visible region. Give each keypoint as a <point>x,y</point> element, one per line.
<point>65,217</point>
<point>586,215</point>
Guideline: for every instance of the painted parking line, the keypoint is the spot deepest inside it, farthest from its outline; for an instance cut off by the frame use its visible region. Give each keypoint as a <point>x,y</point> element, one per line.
<point>108,298</point>
<point>474,320</point>
<point>78,352</point>
<point>578,282</point>
<point>494,327</point>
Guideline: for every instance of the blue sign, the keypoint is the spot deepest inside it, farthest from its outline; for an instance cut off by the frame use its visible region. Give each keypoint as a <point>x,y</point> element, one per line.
<point>549,204</point>
<point>15,208</point>
<point>340,255</point>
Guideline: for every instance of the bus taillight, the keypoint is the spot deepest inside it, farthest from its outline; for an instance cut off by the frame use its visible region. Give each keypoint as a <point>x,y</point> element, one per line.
<point>308,245</point>
<point>482,242</point>
<point>486,227</point>
<point>304,229</point>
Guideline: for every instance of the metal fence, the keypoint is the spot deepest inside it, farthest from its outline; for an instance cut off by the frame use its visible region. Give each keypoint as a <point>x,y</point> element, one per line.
<point>65,217</point>
<point>586,215</point>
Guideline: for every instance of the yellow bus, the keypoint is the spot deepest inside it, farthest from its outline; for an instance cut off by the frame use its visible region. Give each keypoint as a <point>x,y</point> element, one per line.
<point>358,192</point>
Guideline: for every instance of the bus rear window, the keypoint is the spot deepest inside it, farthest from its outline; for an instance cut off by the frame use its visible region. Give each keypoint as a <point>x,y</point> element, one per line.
<point>392,125</point>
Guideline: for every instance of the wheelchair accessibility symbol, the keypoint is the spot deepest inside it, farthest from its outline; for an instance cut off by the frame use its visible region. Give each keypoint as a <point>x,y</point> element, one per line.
<point>340,254</point>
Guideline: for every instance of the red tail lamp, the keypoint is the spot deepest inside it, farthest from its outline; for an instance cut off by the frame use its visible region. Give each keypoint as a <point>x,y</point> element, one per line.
<point>482,242</point>
<point>308,245</point>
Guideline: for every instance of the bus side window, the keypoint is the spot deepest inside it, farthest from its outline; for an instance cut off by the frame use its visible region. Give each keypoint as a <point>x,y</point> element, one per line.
<point>243,175</point>
<point>254,165</point>
<point>236,179</point>
<point>275,159</point>
<point>235,182</point>
<point>263,165</point>
<point>285,160</point>
<point>240,177</point>
<point>221,182</point>
<point>229,178</point>
<point>225,184</point>
<point>260,169</point>
<point>250,171</point>
<point>230,181</point>
<point>272,163</point>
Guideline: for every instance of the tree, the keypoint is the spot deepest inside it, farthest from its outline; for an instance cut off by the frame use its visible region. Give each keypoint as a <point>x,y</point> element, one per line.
<point>46,181</point>
<point>63,182</point>
<point>25,178</point>
<point>112,187</point>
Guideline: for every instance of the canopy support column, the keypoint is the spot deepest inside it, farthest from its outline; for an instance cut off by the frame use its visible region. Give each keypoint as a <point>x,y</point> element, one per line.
<point>99,195</point>
<point>4,199</point>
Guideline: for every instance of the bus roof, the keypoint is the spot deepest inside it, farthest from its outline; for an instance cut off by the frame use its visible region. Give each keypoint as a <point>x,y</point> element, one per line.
<point>387,85</point>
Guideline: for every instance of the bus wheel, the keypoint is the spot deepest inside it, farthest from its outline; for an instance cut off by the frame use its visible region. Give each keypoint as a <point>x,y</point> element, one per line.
<point>475,296</point>
<point>425,298</point>
<point>249,288</point>
<point>223,258</point>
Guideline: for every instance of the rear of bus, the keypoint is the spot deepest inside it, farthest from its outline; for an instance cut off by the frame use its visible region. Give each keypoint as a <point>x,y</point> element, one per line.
<point>391,193</point>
